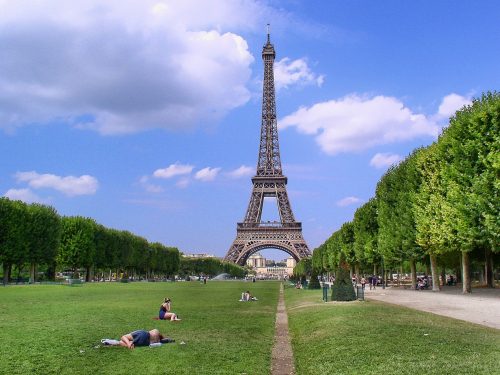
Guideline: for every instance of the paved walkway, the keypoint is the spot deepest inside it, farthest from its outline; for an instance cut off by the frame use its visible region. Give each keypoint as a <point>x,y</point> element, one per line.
<point>282,355</point>
<point>482,306</point>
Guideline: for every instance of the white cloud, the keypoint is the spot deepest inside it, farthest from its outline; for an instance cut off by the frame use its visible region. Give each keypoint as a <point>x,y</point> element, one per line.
<point>356,122</point>
<point>25,195</point>
<point>242,171</point>
<point>288,72</point>
<point>183,183</point>
<point>173,170</point>
<point>123,67</point>
<point>69,185</point>
<point>207,174</point>
<point>451,103</point>
<point>348,201</point>
<point>149,187</point>
<point>382,160</point>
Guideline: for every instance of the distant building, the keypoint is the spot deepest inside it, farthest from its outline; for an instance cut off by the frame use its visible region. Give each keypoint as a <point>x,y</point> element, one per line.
<point>260,266</point>
<point>201,255</point>
<point>256,261</point>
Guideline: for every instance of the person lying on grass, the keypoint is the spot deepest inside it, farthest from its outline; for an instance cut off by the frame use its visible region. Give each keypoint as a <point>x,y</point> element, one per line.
<point>143,338</point>
<point>139,338</point>
<point>165,313</point>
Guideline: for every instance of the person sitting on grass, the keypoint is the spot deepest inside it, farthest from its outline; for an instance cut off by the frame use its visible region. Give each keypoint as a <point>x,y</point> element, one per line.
<point>139,338</point>
<point>165,313</point>
<point>246,296</point>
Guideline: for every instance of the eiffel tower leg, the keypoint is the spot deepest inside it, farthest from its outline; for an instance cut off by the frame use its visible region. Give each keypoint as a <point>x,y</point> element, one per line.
<point>284,206</point>
<point>254,211</point>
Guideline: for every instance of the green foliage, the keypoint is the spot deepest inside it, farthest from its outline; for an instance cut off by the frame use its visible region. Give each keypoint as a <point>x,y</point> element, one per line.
<point>471,174</point>
<point>347,242</point>
<point>317,260</point>
<point>302,268</point>
<point>314,282</point>
<point>342,288</point>
<point>77,247</point>
<point>14,243</point>
<point>395,195</point>
<point>366,233</point>
<point>43,234</point>
<point>432,210</point>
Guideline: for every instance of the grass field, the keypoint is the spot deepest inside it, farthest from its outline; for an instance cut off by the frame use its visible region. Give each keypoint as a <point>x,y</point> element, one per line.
<point>376,338</point>
<point>55,329</point>
<point>49,329</point>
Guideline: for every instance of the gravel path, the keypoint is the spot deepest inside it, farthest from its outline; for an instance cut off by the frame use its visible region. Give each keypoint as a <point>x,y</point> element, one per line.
<point>282,355</point>
<point>482,306</point>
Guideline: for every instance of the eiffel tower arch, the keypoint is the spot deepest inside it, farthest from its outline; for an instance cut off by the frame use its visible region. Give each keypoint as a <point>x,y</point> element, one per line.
<point>253,234</point>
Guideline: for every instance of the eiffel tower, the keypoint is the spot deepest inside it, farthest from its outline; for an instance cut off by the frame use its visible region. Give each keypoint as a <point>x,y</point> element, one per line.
<point>253,234</point>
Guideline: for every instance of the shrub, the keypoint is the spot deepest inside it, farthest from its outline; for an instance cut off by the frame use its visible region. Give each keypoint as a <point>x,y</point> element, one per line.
<point>342,289</point>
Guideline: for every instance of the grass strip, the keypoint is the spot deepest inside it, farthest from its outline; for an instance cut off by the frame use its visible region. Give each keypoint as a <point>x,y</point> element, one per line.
<point>376,338</point>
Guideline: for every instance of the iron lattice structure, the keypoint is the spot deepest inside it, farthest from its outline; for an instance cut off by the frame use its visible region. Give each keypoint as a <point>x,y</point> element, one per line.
<point>253,234</point>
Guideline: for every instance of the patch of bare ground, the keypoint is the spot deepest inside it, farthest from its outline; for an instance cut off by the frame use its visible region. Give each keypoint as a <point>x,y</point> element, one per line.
<point>282,362</point>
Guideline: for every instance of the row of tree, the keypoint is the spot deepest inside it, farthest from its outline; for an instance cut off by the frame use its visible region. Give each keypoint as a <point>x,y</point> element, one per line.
<point>35,235</point>
<point>440,206</point>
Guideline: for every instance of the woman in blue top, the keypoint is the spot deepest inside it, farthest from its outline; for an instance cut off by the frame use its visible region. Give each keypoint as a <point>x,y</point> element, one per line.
<point>165,313</point>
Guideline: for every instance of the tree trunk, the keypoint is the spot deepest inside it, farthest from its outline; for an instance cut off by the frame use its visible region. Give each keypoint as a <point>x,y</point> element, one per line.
<point>413,268</point>
<point>356,270</point>
<point>488,268</point>
<point>434,272</point>
<point>51,272</point>
<point>87,274</point>
<point>466,288</point>
<point>32,273</point>
<point>6,273</point>
<point>375,268</point>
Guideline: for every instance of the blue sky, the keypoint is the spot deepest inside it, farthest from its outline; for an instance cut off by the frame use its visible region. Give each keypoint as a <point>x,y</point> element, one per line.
<point>146,115</point>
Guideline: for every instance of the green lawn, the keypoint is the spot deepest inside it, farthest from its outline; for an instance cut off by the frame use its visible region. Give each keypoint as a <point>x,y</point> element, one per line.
<point>49,329</point>
<point>376,338</point>
<point>55,329</point>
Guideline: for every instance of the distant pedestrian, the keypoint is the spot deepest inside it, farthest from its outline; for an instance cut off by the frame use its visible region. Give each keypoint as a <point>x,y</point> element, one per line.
<point>363,282</point>
<point>374,282</point>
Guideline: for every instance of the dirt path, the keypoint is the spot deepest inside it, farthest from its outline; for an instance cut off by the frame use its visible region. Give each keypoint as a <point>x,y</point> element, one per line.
<point>282,355</point>
<point>482,306</point>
